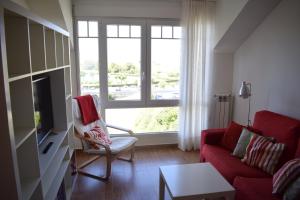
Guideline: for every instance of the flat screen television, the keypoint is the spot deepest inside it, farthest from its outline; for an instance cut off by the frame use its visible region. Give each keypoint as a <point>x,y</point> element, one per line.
<point>43,116</point>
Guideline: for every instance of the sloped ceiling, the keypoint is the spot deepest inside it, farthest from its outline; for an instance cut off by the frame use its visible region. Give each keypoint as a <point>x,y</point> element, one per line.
<point>51,10</point>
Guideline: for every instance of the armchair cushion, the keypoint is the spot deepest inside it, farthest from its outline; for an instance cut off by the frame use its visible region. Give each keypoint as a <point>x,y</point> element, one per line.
<point>118,144</point>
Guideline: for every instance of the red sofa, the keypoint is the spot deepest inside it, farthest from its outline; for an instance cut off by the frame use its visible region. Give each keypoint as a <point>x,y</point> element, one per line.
<point>252,183</point>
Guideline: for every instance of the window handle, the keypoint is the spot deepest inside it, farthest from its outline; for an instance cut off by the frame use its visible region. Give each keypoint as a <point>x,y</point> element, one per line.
<point>143,76</point>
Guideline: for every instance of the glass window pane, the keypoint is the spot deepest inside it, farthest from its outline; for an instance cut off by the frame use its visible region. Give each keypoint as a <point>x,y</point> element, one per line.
<point>93,29</point>
<point>143,120</point>
<point>177,32</point>
<point>89,65</point>
<point>82,29</point>
<point>123,31</point>
<point>156,31</point>
<point>124,68</point>
<point>135,31</point>
<point>165,68</point>
<point>112,30</point>
<point>167,31</point>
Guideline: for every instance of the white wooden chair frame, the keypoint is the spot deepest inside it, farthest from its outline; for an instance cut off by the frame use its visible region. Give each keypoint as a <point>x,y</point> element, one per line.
<point>108,154</point>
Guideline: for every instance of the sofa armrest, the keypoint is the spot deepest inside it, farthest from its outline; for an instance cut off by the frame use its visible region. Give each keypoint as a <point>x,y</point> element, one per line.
<point>211,136</point>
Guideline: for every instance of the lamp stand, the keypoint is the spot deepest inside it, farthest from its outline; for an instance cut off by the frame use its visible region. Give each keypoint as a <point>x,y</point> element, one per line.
<point>249,106</point>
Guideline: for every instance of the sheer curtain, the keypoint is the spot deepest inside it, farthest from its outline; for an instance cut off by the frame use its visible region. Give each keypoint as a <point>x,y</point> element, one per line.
<point>196,68</point>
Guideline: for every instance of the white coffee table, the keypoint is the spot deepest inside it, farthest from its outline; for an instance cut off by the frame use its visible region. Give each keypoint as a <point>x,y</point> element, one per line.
<point>193,181</point>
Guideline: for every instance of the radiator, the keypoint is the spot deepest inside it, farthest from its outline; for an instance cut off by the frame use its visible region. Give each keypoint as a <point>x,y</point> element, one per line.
<point>222,110</point>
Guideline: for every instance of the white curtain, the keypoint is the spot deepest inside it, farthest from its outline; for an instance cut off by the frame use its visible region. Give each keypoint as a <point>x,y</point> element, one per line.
<point>196,68</point>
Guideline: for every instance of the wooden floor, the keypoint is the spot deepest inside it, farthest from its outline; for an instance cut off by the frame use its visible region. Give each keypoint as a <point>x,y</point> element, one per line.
<point>131,181</point>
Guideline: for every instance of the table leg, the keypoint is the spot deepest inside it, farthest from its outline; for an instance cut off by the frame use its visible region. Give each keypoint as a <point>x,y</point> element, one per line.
<point>161,187</point>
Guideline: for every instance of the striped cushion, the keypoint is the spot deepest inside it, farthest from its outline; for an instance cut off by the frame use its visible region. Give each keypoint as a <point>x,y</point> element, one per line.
<point>99,135</point>
<point>263,154</point>
<point>286,175</point>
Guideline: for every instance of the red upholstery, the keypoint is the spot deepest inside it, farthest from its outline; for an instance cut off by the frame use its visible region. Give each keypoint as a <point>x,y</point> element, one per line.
<point>228,165</point>
<point>211,136</point>
<point>253,189</point>
<point>252,183</point>
<point>284,129</point>
<point>232,135</point>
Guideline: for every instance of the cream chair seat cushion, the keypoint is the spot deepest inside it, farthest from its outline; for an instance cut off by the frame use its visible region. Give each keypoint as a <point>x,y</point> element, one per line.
<point>118,144</point>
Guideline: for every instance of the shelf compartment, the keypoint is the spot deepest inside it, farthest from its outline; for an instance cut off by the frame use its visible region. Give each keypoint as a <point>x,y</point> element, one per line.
<point>50,48</point>
<point>53,169</point>
<point>22,111</point>
<point>37,47</point>
<point>58,167</point>
<point>68,181</point>
<point>68,81</point>
<point>28,166</point>
<point>17,44</point>
<point>71,140</point>
<point>59,49</point>
<point>66,50</point>
<point>46,159</point>
<point>58,100</point>
<point>69,111</point>
<point>38,193</point>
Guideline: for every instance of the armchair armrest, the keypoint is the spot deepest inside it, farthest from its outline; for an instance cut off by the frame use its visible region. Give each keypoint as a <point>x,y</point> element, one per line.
<point>120,128</point>
<point>211,136</point>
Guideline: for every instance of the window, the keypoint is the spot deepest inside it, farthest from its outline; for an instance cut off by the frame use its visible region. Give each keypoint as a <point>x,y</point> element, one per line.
<point>124,62</point>
<point>143,120</point>
<point>140,70</point>
<point>88,51</point>
<point>165,62</point>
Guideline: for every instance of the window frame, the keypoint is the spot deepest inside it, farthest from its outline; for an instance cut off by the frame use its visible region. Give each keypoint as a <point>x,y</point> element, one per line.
<point>161,102</point>
<point>104,76</point>
<point>146,101</point>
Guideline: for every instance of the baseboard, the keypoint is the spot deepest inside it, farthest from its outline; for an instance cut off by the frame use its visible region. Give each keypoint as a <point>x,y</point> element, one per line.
<point>156,146</point>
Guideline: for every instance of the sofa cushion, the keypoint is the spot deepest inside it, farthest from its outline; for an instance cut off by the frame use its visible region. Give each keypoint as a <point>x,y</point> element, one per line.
<point>286,175</point>
<point>284,129</point>
<point>253,188</point>
<point>231,136</point>
<point>241,146</point>
<point>228,165</point>
<point>263,154</point>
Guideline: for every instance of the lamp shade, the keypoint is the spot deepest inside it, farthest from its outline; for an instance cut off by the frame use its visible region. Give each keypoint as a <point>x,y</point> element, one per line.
<point>245,90</point>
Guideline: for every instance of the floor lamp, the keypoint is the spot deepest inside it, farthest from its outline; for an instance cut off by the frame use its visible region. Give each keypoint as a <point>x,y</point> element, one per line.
<point>245,93</point>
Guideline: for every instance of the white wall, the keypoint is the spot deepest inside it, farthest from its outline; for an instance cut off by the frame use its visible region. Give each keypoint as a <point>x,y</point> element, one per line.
<point>270,60</point>
<point>226,12</point>
<point>128,8</point>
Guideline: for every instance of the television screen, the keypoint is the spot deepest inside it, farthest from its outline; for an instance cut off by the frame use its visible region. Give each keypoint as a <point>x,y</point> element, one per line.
<point>42,107</point>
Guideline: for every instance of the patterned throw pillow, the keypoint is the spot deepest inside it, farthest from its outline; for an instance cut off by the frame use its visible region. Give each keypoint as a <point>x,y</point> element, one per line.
<point>99,135</point>
<point>263,154</point>
<point>286,175</point>
<point>241,146</point>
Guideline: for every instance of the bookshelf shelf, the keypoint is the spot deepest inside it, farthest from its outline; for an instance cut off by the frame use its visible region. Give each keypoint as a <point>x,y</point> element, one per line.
<point>21,135</point>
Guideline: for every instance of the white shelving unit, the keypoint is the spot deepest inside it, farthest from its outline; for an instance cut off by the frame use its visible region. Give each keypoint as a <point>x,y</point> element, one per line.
<point>33,48</point>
